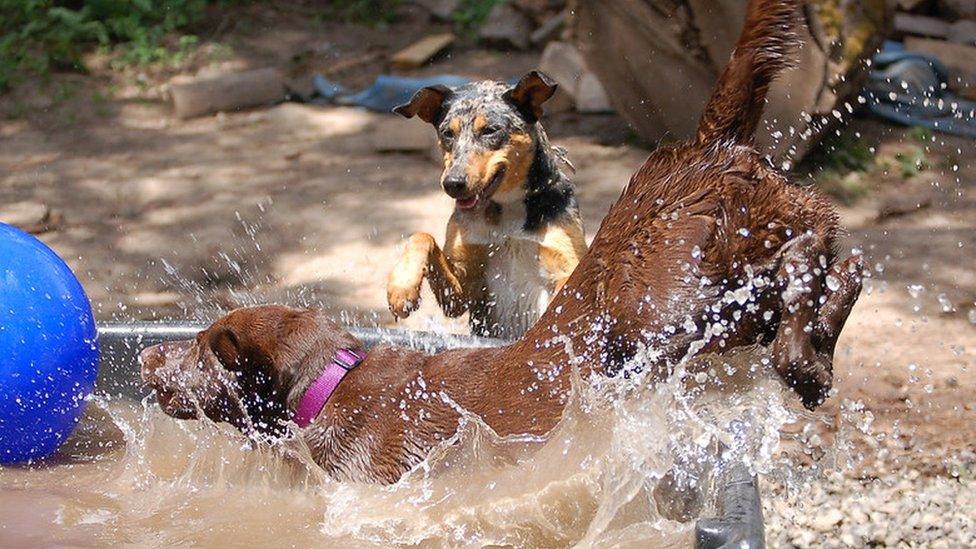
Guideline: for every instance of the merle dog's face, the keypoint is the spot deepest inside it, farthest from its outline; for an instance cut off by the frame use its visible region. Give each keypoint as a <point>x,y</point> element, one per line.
<point>241,369</point>
<point>487,133</point>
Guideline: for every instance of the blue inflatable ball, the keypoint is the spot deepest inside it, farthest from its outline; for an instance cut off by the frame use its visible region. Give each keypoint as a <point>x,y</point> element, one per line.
<point>48,348</point>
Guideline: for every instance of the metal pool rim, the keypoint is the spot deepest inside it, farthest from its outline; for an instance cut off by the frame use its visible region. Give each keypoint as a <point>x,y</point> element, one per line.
<point>740,520</point>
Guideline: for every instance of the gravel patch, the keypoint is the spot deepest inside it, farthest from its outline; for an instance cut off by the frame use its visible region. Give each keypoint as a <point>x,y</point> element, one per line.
<point>903,509</point>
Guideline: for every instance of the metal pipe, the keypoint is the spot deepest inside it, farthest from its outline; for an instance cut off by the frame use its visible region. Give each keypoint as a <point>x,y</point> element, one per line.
<point>120,343</point>
<point>740,521</point>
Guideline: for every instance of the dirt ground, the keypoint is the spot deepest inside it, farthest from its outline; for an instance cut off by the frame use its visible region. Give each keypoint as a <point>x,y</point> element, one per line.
<point>172,219</point>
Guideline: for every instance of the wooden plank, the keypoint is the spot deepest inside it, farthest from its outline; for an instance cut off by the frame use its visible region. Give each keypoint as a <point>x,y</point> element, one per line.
<point>959,58</point>
<point>418,53</point>
<point>226,92</point>
<point>907,24</point>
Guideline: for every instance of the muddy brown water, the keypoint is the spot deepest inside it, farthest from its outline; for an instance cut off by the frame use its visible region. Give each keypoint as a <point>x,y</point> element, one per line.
<point>132,476</point>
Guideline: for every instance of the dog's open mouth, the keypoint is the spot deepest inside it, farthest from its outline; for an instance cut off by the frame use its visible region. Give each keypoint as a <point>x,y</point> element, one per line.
<point>485,194</point>
<point>175,405</point>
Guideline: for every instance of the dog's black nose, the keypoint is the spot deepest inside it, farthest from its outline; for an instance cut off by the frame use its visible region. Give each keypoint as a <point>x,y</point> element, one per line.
<point>455,187</point>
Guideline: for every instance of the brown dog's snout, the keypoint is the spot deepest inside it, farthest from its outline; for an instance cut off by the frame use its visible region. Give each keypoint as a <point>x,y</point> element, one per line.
<point>150,360</point>
<point>154,358</point>
<point>160,365</point>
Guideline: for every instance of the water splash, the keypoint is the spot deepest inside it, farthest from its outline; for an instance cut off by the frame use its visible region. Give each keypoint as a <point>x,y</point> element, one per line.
<point>628,457</point>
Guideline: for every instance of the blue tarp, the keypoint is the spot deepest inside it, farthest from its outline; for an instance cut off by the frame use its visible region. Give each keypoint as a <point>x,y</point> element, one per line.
<point>912,89</point>
<point>907,88</point>
<point>386,92</point>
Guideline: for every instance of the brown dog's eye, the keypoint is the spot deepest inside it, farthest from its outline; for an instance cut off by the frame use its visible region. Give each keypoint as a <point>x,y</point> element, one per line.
<point>490,130</point>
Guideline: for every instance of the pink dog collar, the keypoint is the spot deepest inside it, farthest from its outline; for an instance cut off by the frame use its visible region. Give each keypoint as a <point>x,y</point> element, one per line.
<point>321,389</point>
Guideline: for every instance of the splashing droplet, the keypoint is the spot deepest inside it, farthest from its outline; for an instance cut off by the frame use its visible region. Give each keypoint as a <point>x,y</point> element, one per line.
<point>832,283</point>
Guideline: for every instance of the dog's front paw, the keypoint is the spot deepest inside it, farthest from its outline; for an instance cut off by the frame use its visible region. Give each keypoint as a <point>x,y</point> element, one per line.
<point>804,370</point>
<point>403,287</point>
<point>403,284</point>
<point>403,299</point>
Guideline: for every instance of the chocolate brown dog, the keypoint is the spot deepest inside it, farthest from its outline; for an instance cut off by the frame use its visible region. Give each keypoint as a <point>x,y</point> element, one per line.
<point>708,248</point>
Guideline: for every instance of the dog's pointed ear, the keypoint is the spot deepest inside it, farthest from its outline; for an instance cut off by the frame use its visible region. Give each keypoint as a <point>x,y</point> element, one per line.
<point>226,346</point>
<point>534,89</point>
<point>426,104</point>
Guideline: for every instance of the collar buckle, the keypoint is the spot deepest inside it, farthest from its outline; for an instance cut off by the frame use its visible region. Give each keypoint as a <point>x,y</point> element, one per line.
<point>348,358</point>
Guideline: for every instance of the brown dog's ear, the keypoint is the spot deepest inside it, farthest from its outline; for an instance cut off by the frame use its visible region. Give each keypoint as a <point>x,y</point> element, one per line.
<point>534,89</point>
<point>226,346</point>
<point>426,104</point>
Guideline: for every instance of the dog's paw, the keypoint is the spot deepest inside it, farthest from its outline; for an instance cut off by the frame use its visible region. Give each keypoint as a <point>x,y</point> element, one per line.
<point>813,389</point>
<point>403,284</point>
<point>403,299</point>
<point>805,371</point>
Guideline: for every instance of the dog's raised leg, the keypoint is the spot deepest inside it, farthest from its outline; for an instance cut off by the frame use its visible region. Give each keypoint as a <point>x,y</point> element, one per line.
<point>816,301</point>
<point>562,247</point>
<point>843,281</point>
<point>423,257</point>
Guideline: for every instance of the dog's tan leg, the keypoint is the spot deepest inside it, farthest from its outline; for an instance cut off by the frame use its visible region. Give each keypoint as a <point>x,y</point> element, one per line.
<point>562,247</point>
<point>446,272</point>
<point>454,273</point>
<point>403,284</point>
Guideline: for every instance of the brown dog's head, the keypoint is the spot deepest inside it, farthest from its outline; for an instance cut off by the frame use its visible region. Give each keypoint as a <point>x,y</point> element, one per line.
<point>245,369</point>
<point>488,132</point>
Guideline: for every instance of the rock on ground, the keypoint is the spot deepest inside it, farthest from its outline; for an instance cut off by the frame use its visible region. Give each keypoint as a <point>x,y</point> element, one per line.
<point>902,508</point>
<point>564,64</point>
<point>963,32</point>
<point>225,92</point>
<point>959,58</point>
<point>920,25</point>
<point>29,216</point>
<point>958,9</point>
<point>506,28</point>
<point>442,10</point>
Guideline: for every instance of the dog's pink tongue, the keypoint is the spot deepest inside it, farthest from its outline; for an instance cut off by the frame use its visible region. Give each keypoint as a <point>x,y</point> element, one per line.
<point>467,203</point>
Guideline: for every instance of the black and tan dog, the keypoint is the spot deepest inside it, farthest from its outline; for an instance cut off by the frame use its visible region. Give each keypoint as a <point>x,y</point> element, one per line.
<point>516,233</point>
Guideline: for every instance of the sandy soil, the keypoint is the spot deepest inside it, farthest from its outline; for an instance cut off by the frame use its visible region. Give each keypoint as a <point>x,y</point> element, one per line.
<point>170,219</point>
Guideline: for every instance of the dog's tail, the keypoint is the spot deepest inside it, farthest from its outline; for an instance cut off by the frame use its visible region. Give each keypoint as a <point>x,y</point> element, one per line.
<point>764,48</point>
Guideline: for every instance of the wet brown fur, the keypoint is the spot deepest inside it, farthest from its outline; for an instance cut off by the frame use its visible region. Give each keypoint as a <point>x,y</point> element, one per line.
<point>694,212</point>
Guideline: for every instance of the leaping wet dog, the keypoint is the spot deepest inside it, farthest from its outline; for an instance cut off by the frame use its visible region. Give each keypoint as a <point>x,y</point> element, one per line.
<point>516,234</point>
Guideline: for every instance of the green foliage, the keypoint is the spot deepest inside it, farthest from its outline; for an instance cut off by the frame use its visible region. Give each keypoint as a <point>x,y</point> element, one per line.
<point>840,154</point>
<point>843,164</point>
<point>920,134</point>
<point>838,164</point>
<point>846,189</point>
<point>37,36</point>
<point>470,14</point>
<point>911,162</point>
